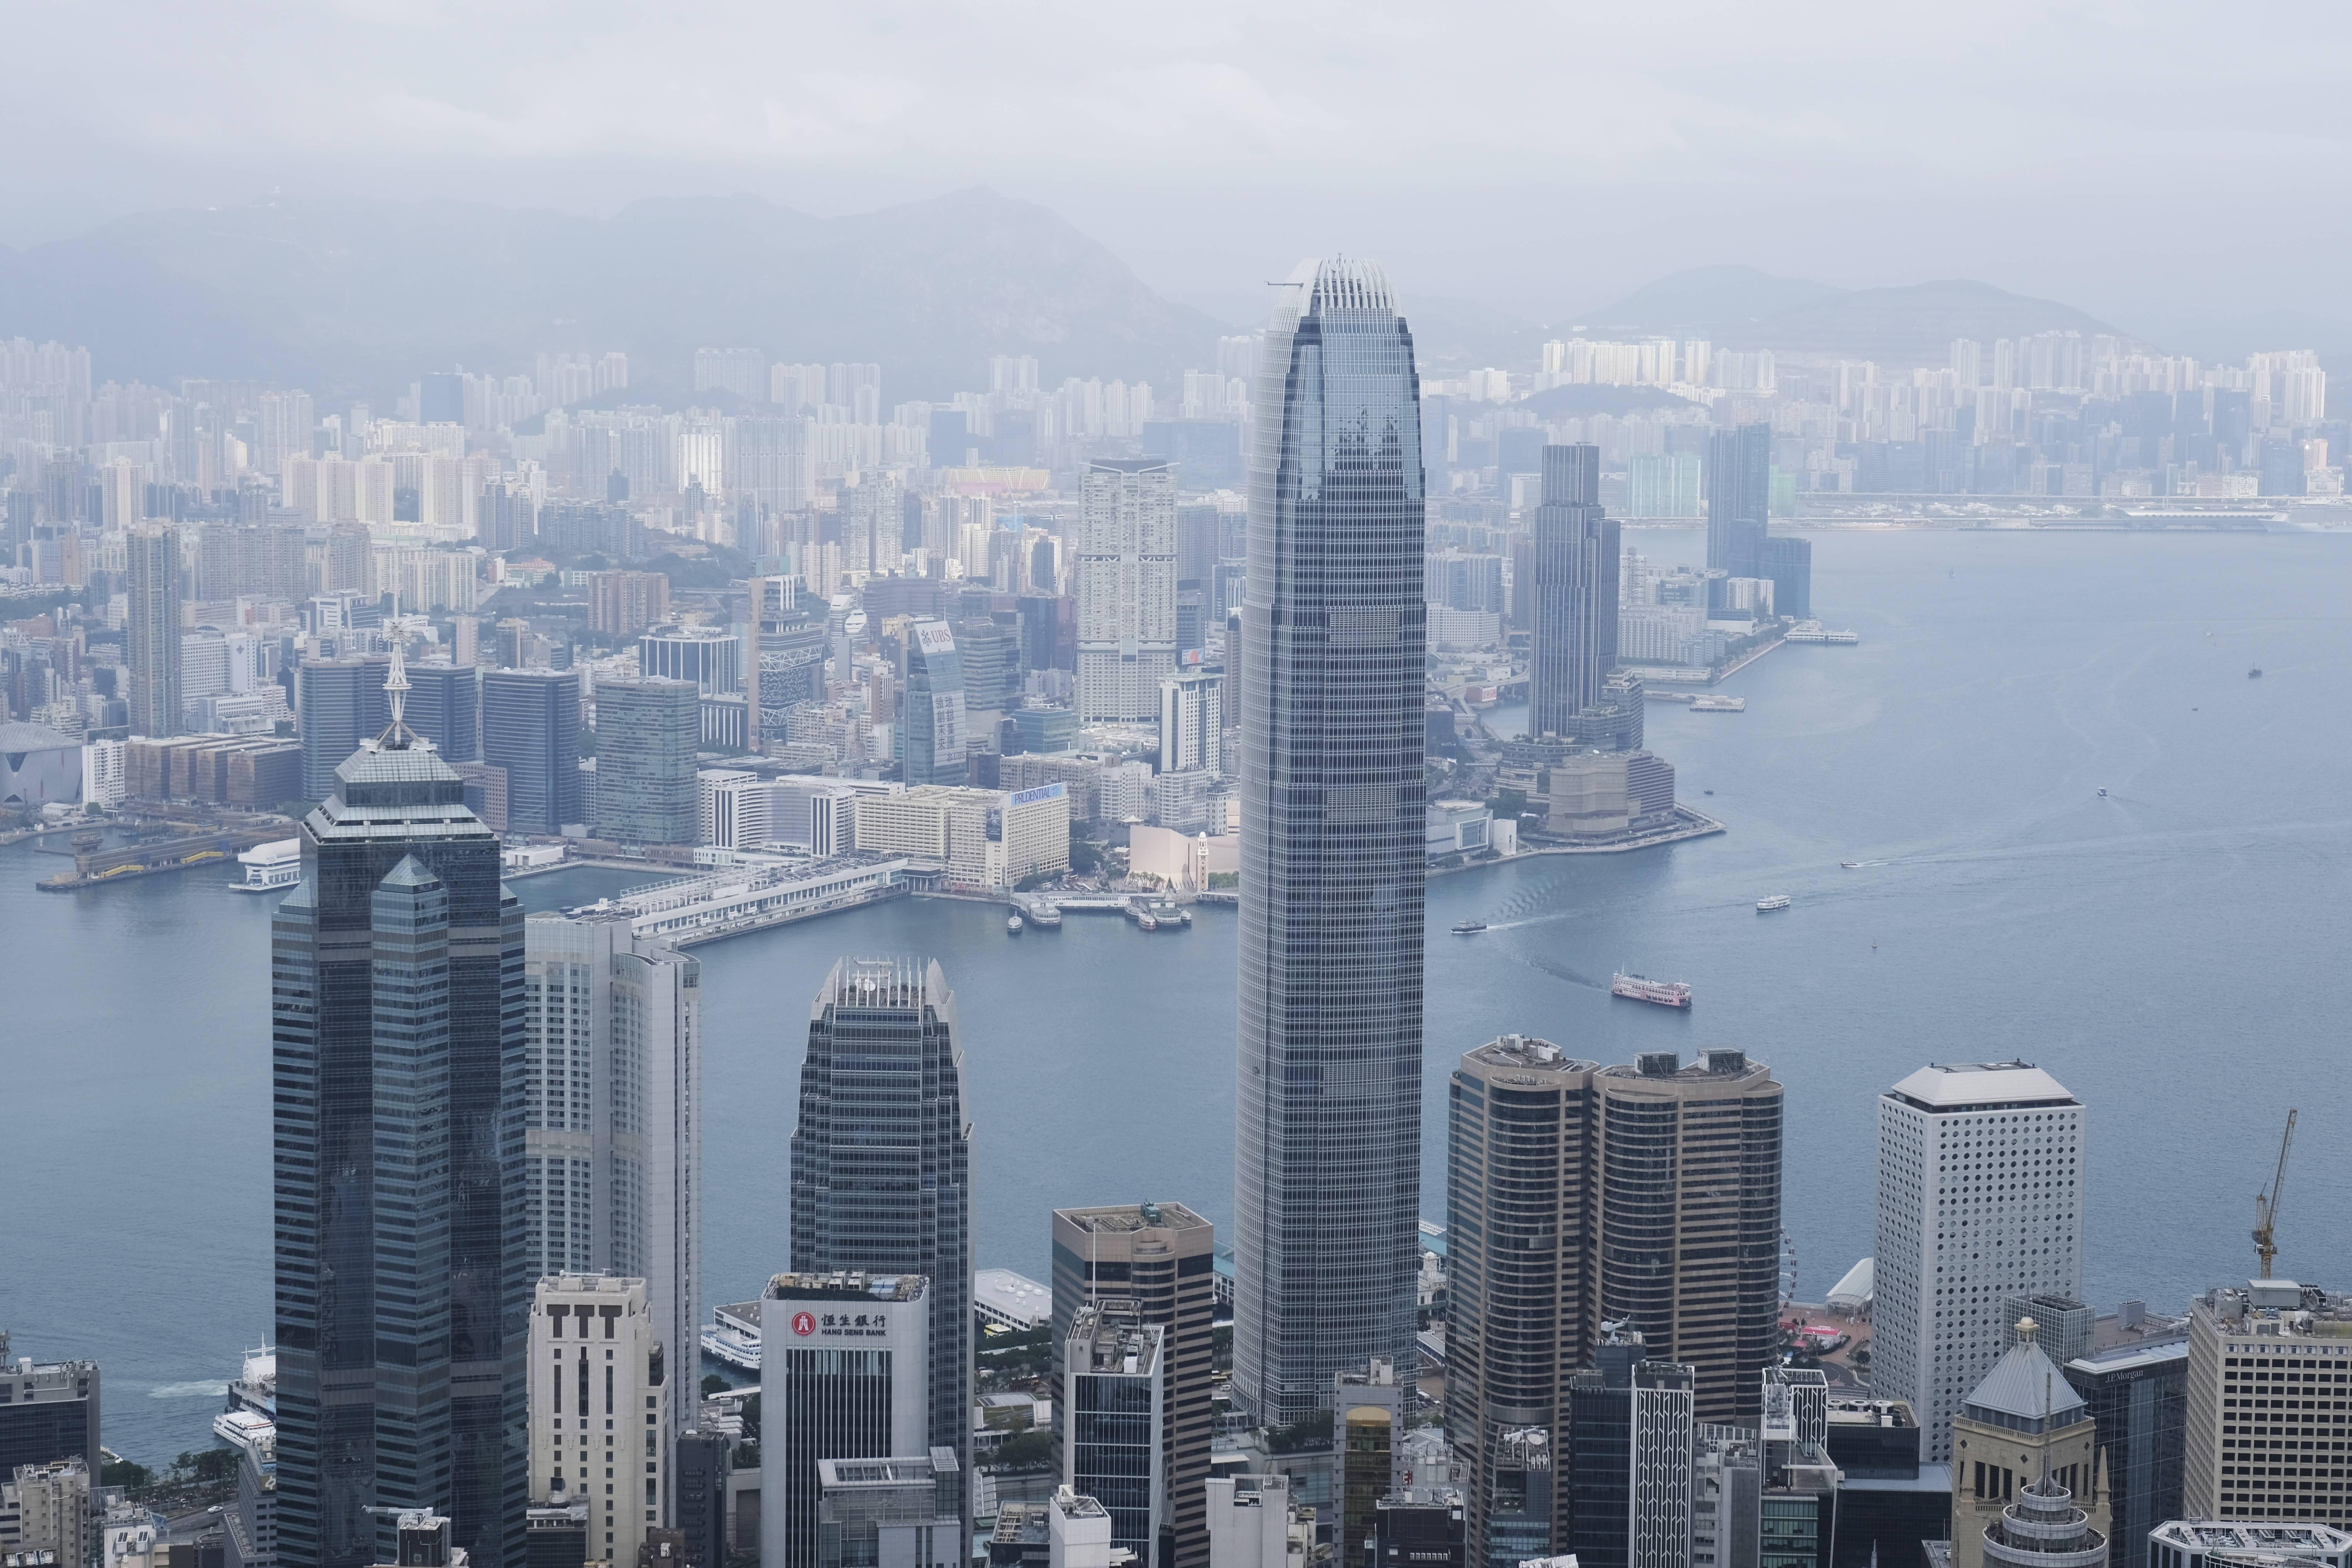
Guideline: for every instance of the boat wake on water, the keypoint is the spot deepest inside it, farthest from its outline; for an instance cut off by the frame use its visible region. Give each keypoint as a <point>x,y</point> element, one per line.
<point>210,1388</point>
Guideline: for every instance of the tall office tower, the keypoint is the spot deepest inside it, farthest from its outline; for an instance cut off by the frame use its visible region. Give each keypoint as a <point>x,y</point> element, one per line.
<point>1193,721</point>
<point>1115,1392</point>
<point>52,1412</point>
<point>397,985</point>
<point>1594,1463</point>
<point>2139,1396</point>
<point>1520,1203</point>
<point>933,717</point>
<point>1738,499</point>
<point>881,1160</point>
<point>2022,1424</point>
<point>1125,582</point>
<point>601,1376</point>
<point>707,656</point>
<point>445,705</point>
<point>612,1166</point>
<point>531,727</point>
<point>848,1357</point>
<point>699,1465</point>
<point>1327,1182</point>
<point>1573,598</point>
<point>647,733</point>
<point>1689,1218</point>
<point>2283,1351</point>
<point>152,633</point>
<point>1979,1198</point>
<point>992,670</point>
<point>1788,563</point>
<point>342,707</point>
<point>1161,1256</point>
<point>1660,1494</point>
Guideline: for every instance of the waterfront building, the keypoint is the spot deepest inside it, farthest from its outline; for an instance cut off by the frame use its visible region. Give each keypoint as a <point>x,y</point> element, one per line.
<point>849,1356</point>
<point>1115,1399</point>
<point>1163,1258</point>
<point>531,727</point>
<point>1328,1108</point>
<point>1519,1274</point>
<point>1126,584</point>
<point>151,628</point>
<point>2283,1353</point>
<point>881,1165</point>
<point>51,1412</point>
<point>600,1407</point>
<point>445,705</point>
<point>1979,1199</point>
<point>708,657</point>
<point>2138,1396</point>
<point>2254,1543</point>
<point>1574,594</point>
<point>1788,563</point>
<point>648,732</point>
<point>1191,721</point>
<point>1738,499</point>
<point>342,704</point>
<point>1689,1171</point>
<point>2022,1425</point>
<point>396,977</point>
<point>931,720</point>
<point>611,1116</point>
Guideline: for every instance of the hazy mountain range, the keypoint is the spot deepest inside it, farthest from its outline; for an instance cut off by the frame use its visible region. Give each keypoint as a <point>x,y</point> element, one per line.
<point>356,298</point>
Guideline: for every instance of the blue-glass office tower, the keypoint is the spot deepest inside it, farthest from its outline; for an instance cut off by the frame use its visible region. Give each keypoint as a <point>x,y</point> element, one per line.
<point>396,974</point>
<point>531,727</point>
<point>1573,596</point>
<point>1328,1110</point>
<point>342,704</point>
<point>931,722</point>
<point>882,1158</point>
<point>445,705</point>
<point>1738,499</point>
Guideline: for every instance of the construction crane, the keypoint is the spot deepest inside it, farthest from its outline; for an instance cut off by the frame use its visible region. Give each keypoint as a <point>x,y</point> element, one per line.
<point>2266,1204</point>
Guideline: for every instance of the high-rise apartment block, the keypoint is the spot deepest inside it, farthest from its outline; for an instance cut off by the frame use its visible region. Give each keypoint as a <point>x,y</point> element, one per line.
<point>396,974</point>
<point>1573,597</point>
<point>648,732</point>
<point>1979,1200</point>
<point>1125,582</point>
<point>1193,721</point>
<point>881,1162</point>
<point>152,633</point>
<point>612,1163</point>
<point>1326,1183</point>
<point>2270,1404</point>
<point>601,1379</point>
<point>848,1357</point>
<point>1163,1258</point>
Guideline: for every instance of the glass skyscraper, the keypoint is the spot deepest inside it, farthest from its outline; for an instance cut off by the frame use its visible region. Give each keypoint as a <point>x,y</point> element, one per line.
<point>397,969</point>
<point>1327,1105</point>
<point>932,725</point>
<point>1573,595</point>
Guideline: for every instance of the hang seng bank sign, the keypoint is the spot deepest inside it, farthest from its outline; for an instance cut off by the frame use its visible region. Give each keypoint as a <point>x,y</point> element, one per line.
<point>840,1325</point>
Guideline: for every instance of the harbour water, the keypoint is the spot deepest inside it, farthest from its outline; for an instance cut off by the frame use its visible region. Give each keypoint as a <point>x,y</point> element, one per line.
<point>2173,952</point>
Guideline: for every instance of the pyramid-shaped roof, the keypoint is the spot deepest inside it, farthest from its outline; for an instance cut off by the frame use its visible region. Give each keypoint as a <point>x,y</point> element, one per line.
<point>2025,1389</point>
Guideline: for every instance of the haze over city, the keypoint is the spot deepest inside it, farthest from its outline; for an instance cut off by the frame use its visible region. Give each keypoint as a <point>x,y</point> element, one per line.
<point>1299,786</point>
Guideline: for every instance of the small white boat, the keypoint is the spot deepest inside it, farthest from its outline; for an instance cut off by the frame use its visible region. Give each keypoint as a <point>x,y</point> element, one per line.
<point>1012,925</point>
<point>1777,902</point>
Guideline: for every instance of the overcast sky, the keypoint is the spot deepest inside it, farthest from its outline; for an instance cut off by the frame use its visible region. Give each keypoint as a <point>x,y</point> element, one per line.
<point>2154,163</point>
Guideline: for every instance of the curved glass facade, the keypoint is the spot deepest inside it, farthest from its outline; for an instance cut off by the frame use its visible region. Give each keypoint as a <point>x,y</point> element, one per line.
<point>1327,1106</point>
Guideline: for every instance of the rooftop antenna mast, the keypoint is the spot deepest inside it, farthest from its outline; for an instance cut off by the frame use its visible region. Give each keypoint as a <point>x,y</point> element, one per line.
<point>2266,1204</point>
<point>397,735</point>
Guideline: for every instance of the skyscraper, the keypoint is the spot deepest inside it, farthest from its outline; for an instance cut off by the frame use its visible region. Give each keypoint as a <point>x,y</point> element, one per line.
<point>1115,1394</point>
<point>1573,597</point>
<point>647,733</point>
<point>445,705</point>
<point>342,707</point>
<point>1738,499</point>
<point>1328,1110</point>
<point>881,1159</point>
<point>1125,583</point>
<point>2139,1395</point>
<point>152,635</point>
<point>611,1117</point>
<point>932,717</point>
<point>1979,1199</point>
<point>2282,1351</point>
<point>600,1383</point>
<point>531,727</point>
<point>396,978</point>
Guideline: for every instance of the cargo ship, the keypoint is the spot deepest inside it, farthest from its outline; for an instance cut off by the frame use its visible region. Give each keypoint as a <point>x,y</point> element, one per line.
<point>1665,993</point>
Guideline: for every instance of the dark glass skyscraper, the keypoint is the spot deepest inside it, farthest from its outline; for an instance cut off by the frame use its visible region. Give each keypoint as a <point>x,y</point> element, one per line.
<point>531,727</point>
<point>1328,1108</point>
<point>342,705</point>
<point>1738,499</point>
<point>882,1158</point>
<point>397,1037</point>
<point>1574,594</point>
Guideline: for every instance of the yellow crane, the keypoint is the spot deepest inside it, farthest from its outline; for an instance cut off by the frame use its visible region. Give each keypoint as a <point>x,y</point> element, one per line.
<point>2266,1204</point>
